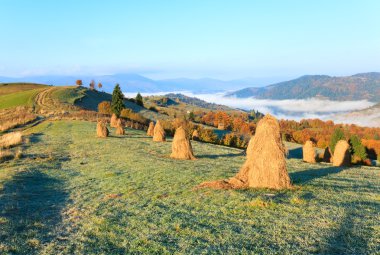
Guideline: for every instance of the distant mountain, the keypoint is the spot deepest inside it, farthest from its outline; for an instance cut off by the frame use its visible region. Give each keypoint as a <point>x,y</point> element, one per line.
<point>130,82</point>
<point>369,117</point>
<point>355,87</point>
<point>197,102</point>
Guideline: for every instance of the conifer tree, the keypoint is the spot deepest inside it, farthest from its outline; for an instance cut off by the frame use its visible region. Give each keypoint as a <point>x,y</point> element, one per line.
<point>336,136</point>
<point>139,100</point>
<point>117,103</point>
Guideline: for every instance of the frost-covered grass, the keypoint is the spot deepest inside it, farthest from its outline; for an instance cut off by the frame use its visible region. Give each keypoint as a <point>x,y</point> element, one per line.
<point>73,193</point>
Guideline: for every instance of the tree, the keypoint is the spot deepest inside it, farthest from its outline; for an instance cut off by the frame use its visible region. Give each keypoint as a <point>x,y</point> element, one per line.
<point>357,148</point>
<point>104,107</point>
<point>139,99</point>
<point>336,136</point>
<point>191,116</point>
<point>79,82</point>
<point>117,103</point>
<point>100,85</point>
<point>92,85</point>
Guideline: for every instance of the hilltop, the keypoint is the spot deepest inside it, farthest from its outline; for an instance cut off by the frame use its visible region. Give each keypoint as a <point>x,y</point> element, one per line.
<point>365,86</point>
<point>52,99</point>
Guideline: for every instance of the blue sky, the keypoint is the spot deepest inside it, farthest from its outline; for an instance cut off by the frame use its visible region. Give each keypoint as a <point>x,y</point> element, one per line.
<point>194,38</point>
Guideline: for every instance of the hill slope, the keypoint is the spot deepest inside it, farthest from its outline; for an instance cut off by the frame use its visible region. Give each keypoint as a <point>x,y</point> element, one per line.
<point>76,194</point>
<point>364,86</point>
<point>49,99</point>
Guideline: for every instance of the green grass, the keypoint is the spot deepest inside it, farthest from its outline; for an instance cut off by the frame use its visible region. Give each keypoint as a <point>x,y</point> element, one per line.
<point>74,193</point>
<point>22,98</point>
<point>9,88</point>
<point>68,94</point>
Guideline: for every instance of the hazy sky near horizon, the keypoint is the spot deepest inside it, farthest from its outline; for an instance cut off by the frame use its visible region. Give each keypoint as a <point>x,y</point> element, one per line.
<point>193,38</point>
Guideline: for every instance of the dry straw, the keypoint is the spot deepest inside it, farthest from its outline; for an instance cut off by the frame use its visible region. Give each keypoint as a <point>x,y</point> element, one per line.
<point>10,139</point>
<point>342,156</point>
<point>114,119</point>
<point>181,146</point>
<point>265,166</point>
<point>150,131</point>
<point>101,129</point>
<point>308,152</point>
<point>120,127</point>
<point>249,150</point>
<point>159,133</point>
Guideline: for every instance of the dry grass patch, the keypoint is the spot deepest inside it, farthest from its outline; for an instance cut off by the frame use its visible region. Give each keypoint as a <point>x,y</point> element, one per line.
<point>10,140</point>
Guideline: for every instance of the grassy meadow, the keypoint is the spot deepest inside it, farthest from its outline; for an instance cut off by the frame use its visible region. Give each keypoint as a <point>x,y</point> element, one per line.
<point>73,193</point>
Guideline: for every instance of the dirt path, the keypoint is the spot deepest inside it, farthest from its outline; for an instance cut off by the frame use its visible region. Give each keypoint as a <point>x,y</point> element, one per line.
<point>44,102</point>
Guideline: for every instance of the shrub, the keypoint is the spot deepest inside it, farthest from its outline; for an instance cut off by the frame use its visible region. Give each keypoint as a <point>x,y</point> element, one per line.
<point>336,136</point>
<point>208,135</point>
<point>153,109</point>
<point>129,114</point>
<point>357,148</point>
<point>139,100</point>
<point>105,108</point>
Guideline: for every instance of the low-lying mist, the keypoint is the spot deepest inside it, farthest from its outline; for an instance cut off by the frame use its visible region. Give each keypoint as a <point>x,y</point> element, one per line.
<point>295,109</point>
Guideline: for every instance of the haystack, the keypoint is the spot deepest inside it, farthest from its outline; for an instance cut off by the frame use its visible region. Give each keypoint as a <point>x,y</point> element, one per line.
<point>120,127</point>
<point>101,129</point>
<point>265,166</point>
<point>158,133</point>
<point>181,146</point>
<point>249,150</point>
<point>150,131</point>
<point>195,135</point>
<point>327,155</point>
<point>113,120</point>
<point>342,156</point>
<point>308,152</point>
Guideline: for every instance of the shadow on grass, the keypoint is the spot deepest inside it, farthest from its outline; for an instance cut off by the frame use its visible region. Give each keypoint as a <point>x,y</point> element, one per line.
<point>311,174</point>
<point>354,231</point>
<point>295,153</point>
<point>30,206</point>
<point>215,156</point>
<point>35,138</point>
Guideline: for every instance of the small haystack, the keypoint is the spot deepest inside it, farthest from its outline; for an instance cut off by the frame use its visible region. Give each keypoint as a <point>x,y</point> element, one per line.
<point>120,127</point>
<point>195,135</point>
<point>159,133</point>
<point>308,152</point>
<point>327,155</point>
<point>150,131</point>
<point>265,166</point>
<point>342,156</point>
<point>113,122</point>
<point>249,150</point>
<point>181,146</point>
<point>101,129</point>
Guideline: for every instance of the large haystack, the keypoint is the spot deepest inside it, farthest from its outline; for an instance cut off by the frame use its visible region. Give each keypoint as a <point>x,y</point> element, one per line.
<point>150,131</point>
<point>113,122</point>
<point>308,152</point>
<point>265,166</point>
<point>101,129</point>
<point>159,133</point>
<point>327,155</point>
<point>120,127</point>
<point>195,135</point>
<point>342,156</point>
<point>181,146</point>
<point>249,150</point>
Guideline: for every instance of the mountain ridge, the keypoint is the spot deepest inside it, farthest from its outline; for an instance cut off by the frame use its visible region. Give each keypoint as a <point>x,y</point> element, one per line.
<point>362,86</point>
